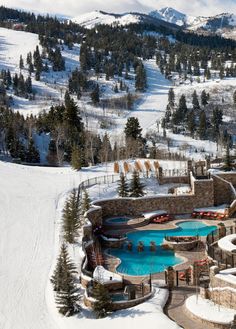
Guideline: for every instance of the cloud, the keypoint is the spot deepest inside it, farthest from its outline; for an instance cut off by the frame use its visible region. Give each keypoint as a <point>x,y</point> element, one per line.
<point>77,7</point>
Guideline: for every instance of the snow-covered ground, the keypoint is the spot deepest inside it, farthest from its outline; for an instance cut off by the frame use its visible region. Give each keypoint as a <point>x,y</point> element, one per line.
<point>151,188</point>
<point>228,243</point>
<point>209,311</point>
<point>149,108</point>
<point>149,314</point>
<point>153,104</point>
<point>50,90</point>
<point>29,205</point>
<point>31,199</point>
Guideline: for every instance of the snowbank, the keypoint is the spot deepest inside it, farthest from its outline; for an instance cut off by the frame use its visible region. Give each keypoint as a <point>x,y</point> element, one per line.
<point>228,275</point>
<point>207,310</point>
<point>228,243</point>
<point>149,215</point>
<point>219,209</point>
<point>147,315</point>
<point>101,275</point>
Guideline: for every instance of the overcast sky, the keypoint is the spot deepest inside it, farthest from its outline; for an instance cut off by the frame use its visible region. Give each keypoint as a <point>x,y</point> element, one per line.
<point>77,7</point>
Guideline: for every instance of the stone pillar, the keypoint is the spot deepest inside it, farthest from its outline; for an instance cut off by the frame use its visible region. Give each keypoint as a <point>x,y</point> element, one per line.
<point>222,230</point>
<point>160,175</point>
<point>208,164</point>
<point>204,292</point>
<point>233,324</point>
<point>190,165</point>
<point>170,276</point>
<point>213,271</point>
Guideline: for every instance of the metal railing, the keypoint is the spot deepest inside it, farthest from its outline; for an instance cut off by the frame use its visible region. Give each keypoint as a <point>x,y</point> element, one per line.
<point>108,179</point>
<point>223,258</point>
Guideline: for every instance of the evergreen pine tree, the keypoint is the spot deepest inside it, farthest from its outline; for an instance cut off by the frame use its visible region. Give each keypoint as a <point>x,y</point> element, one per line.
<point>123,188</point>
<point>102,305</point>
<point>95,95</point>
<point>204,98</point>
<point>202,129</point>
<point>140,78</point>
<point>32,155</point>
<point>133,129</point>
<point>191,123</point>
<point>222,73</point>
<point>37,75</point>
<point>227,160</point>
<point>21,63</point>
<point>136,188</point>
<point>171,97</point>
<point>85,202</point>
<point>234,97</point>
<point>182,107</point>
<point>64,283</point>
<point>63,265</point>
<point>76,158</point>
<point>195,101</point>
<point>216,121</point>
<point>71,218</point>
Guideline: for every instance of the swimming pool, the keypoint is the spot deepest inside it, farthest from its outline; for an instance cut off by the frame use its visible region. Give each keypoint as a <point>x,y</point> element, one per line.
<point>117,220</point>
<point>146,262</point>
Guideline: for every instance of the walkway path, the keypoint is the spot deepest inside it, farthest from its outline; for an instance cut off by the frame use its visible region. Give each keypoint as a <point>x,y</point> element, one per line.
<point>175,308</point>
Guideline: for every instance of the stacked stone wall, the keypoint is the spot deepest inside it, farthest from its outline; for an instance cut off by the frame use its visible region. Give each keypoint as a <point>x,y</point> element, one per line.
<point>203,196</point>
<point>223,191</point>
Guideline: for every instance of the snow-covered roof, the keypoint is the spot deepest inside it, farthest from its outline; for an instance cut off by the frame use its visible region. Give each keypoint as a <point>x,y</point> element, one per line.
<point>227,244</point>
<point>228,275</point>
<point>102,275</point>
<point>112,239</point>
<point>149,215</point>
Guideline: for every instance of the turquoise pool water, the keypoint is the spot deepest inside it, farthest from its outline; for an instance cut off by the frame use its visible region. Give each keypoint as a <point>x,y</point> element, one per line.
<point>118,297</point>
<point>143,263</point>
<point>117,220</point>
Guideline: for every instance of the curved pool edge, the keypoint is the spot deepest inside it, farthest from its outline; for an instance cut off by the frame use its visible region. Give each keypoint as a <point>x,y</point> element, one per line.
<point>180,257</point>
<point>119,261</point>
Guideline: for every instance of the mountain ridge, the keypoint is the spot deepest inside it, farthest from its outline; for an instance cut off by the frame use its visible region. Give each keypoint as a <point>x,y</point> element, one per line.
<point>223,23</point>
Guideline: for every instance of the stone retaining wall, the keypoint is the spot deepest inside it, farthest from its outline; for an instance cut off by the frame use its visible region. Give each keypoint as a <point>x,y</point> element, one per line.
<point>205,322</point>
<point>181,246</point>
<point>120,305</point>
<point>174,180</point>
<point>222,185</point>
<point>224,297</point>
<point>230,177</point>
<point>203,196</point>
<point>218,282</point>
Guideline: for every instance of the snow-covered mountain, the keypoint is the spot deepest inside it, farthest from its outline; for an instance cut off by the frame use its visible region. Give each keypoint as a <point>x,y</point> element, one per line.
<point>213,23</point>
<point>170,15</point>
<point>91,19</point>
<point>223,24</point>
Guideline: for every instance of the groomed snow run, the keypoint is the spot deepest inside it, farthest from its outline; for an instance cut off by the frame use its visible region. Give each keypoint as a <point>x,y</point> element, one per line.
<point>31,201</point>
<point>228,243</point>
<point>205,309</point>
<point>153,104</point>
